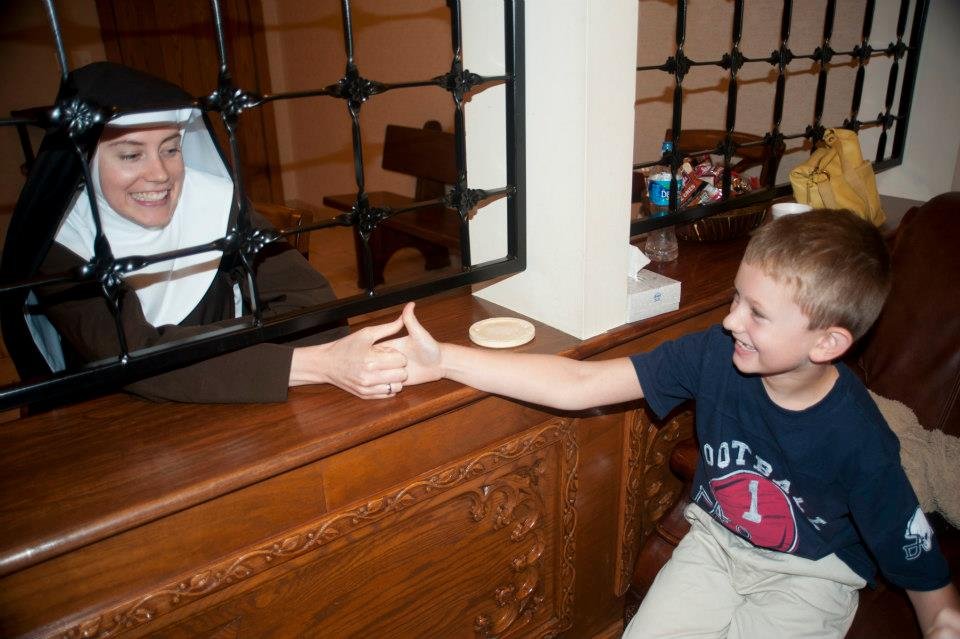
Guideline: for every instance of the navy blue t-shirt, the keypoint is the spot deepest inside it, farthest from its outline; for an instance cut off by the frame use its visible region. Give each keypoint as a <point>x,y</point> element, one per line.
<point>826,479</point>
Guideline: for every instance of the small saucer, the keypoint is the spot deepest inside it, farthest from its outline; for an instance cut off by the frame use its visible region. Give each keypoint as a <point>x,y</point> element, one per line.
<point>502,332</point>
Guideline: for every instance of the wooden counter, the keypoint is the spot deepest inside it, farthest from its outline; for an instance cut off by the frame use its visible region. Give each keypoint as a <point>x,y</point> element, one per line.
<point>443,512</point>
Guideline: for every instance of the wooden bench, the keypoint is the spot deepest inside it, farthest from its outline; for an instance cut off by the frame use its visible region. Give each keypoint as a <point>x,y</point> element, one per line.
<point>428,154</point>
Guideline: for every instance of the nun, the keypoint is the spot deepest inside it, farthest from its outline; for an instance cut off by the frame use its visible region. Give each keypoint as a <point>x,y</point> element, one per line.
<point>161,184</point>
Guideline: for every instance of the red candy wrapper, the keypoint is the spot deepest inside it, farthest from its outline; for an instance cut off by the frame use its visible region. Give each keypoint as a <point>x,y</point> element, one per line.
<point>700,181</point>
<point>691,188</point>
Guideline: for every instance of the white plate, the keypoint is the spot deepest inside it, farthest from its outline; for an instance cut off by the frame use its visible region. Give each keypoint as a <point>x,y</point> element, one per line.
<point>502,332</point>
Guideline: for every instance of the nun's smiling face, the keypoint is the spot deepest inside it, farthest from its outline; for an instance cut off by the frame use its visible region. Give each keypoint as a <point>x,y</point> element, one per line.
<point>141,172</point>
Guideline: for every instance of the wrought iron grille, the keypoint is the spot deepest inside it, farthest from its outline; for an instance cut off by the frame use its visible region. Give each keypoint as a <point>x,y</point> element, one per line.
<point>904,54</point>
<point>228,101</point>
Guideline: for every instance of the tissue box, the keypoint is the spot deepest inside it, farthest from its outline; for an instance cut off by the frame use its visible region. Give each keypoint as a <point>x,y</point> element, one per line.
<point>651,294</point>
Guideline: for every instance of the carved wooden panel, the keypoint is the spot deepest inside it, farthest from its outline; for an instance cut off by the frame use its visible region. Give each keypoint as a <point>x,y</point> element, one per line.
<point>650,488</point>
<point>325,512</point>
<point>208,627</point>
<point>481,547</point>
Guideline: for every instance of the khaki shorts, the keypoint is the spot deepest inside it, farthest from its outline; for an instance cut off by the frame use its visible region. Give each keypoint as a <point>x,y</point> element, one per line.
<point>719,585</point>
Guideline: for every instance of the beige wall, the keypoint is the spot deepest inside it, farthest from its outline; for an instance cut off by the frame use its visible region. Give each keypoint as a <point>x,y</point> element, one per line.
<point>933,141</point>
<point>306,50</point>
<point>932,156</point>
<point>708,37</point>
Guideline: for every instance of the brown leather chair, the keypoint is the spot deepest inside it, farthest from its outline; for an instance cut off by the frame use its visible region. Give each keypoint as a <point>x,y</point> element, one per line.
<point>912,354</point>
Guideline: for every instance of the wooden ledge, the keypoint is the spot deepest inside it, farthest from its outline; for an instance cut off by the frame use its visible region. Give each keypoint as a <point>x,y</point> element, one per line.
<point>77,475</point>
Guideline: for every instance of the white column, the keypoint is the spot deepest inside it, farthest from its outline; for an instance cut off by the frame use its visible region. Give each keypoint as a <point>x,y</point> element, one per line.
<point>580,87</point>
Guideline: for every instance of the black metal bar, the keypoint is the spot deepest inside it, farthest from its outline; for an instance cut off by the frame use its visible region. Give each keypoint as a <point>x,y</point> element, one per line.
<point>101,265</point>
<point>731,119</point>
<point>781,58</point>
<point>218,33</point>
<point>57,39</point>
<point>361,207</point>
<point>676,129</point>
<point>861,54</point>
<point>694,213</point>
<point>229,102</point>
<point>910,77</point>
<point>108,374</point>
<point>132,263</point>
<point>895,50</point>
<point>460,130</point>
<point>823,54</point>
<point>516,131</point>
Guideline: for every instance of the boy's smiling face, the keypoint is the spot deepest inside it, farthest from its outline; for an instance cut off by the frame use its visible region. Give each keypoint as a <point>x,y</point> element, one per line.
<point>771,333</point>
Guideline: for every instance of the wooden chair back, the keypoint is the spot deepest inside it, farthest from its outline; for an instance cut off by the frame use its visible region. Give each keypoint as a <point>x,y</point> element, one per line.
<point>700,141</point>
<point>427,153</point>
<point>286,218</point>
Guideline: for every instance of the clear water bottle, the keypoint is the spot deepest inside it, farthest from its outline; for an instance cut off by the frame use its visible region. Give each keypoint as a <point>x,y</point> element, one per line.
<point>661,244</point>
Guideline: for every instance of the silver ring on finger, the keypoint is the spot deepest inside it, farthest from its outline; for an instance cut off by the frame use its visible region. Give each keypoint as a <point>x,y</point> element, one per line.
<point>389,388</point>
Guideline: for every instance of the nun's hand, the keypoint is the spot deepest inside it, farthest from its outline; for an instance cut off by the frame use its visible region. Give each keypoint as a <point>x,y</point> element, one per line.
<point>355,363</point>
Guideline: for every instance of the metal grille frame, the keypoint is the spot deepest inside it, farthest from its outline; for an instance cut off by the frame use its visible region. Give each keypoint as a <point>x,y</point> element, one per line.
<point>905,53</point>
<point>228,101</point>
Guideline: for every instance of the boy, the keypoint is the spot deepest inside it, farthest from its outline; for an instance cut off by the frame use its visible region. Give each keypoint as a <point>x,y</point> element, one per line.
<point>799,488</point>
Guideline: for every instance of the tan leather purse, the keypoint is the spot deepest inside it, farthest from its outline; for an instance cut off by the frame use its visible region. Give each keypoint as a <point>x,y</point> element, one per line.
<point>837,177</point>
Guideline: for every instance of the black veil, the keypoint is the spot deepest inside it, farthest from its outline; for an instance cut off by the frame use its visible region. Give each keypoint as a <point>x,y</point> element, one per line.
<point>90,96</point>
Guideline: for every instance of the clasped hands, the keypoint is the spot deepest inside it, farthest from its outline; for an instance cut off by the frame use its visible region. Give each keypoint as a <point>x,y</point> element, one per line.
<point>366,367</point>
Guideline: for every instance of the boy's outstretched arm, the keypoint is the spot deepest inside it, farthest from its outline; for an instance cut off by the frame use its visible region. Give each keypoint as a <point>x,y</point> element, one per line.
<point>938,611</point>
<point>548,380</point>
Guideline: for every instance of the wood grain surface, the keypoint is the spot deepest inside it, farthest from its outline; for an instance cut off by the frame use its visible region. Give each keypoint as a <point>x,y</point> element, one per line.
<point>119,515</point>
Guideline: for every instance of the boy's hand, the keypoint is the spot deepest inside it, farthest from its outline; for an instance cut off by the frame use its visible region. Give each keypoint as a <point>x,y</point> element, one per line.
<point>548,380</point>
<point>938,611</point>
<point>946,625</point>
<point>424,354</point>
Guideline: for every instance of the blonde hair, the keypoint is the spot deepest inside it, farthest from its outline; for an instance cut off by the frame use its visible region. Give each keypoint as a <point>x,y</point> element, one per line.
<point>836,262</point>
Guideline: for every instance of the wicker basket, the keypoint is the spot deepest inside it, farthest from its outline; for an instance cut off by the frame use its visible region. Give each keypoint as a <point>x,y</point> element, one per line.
<point>726,225</point>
